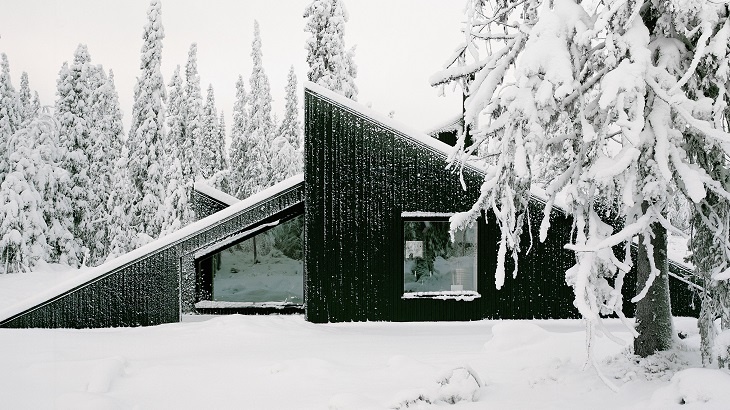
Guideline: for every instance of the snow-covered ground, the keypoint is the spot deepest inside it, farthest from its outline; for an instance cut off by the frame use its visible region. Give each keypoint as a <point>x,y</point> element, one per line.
<point>284,362</point>
<point>17,287</point>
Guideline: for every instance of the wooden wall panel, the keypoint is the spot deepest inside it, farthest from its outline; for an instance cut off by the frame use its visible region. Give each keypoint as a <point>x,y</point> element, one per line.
<point>360,175</point>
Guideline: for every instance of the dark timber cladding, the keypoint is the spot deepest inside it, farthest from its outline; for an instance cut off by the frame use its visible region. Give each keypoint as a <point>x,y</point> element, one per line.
<point>205,205</point>
<point>360,176</point>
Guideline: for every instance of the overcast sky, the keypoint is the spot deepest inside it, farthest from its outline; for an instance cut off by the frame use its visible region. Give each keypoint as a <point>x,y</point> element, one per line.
<point>400,43</point>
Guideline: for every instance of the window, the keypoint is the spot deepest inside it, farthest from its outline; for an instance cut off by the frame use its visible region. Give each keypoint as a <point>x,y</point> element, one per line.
<point>264,269</point>
<point>433,264</point>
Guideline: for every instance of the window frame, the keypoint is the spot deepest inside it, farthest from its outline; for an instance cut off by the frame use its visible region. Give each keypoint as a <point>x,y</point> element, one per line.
<point>460,295</point>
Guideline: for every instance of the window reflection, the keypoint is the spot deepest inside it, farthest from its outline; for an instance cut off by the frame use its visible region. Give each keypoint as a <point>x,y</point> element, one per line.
<point>265,268</point>
<point>433,263</point>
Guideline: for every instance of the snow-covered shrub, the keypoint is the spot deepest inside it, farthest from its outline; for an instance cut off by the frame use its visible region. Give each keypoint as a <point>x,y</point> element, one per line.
<point>454,386</point>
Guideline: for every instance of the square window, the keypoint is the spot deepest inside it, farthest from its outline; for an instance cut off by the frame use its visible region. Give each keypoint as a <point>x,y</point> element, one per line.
<point>433,263</point>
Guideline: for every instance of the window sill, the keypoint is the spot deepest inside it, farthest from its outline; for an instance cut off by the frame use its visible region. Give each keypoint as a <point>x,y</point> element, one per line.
<point>464,295</point>
<point>214,304</point>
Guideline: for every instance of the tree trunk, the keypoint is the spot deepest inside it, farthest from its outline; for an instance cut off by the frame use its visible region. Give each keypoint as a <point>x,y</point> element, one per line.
<point>653,312</point>
<point>255,256</point>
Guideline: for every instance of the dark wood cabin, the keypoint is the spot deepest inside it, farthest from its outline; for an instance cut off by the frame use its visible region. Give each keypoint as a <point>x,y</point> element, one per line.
<point>365,234</point>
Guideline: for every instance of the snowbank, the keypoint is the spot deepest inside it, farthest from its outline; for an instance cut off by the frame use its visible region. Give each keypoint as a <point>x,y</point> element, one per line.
<point>283,362</point>
<point>707,387</point>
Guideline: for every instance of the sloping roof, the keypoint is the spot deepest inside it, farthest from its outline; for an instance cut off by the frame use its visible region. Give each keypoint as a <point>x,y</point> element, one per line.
<point>216,194</point>
<point>455,123</point>
<point>401,129</point>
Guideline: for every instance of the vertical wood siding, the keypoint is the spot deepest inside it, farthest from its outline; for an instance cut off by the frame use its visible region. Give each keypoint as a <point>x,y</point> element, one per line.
<point>360,175</point>
<point>205,205</point>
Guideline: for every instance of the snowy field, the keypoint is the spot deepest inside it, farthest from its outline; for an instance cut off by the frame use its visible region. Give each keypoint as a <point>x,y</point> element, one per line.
<point>283,362</point>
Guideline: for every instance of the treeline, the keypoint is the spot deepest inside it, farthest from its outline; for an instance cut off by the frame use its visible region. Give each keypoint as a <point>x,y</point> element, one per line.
<point>75,191</point>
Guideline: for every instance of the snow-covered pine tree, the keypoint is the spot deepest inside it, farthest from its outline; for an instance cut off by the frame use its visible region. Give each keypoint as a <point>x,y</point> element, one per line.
<point>291,128</point>
<point>221,179</point>
<point>9,114</point>
<point>176,115</point>
<point>193,109</point>
<point>613,90</point>
<point>27,106</point>
<point>260,125</point>
<point>51,182</point>
<point>122,232</point>
<point>147,131</point>
<point>223,158</point>
<point>107,134</point>
<point>176,211</point>
<point>710,223</point>
<point>239,143</point>
<point>286,153</point>
<point>211,144</point>
<point>329,64</point>
<point>22,227</point>
<point>73,110</point>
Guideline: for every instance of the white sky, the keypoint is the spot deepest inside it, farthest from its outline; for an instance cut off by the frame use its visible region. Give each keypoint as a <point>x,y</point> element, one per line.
<point>400,43</point>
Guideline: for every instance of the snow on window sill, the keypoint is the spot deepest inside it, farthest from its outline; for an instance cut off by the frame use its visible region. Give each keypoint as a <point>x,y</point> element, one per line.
<point>215,304</point>
<point>465,295</point>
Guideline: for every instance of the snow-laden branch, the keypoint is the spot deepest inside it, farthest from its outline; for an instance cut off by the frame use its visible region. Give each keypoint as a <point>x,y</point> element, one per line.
<point>626,234</point>
<point>457,72</point>
<point>706,28</point>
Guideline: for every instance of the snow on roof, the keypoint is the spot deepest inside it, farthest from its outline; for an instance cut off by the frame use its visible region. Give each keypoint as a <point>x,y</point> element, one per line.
<point>454,123</point>
<point>216,194</point>
<point>400,128</point>
<point>90,274</point>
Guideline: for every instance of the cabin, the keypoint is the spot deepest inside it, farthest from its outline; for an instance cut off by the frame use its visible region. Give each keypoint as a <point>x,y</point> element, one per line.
<point>361,235</point>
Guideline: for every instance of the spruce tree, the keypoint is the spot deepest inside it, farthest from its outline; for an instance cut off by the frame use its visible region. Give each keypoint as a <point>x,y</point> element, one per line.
<point>221,179</point>
<point>190,154</point>
<point>9,114</point>
<point>211,143</point>
<point>147,131</point>
<point>51,182</point>
<point>122,232</point>
<point>73,109</point>
<point>174,212</point>
<point>259,128</point>
<point>107,134</point>
<point>27,105</point>
<point>176,115</point>
<point>329,64</point>
<point>289,151</point>
<point>22,227</point>
<point>239,143</point>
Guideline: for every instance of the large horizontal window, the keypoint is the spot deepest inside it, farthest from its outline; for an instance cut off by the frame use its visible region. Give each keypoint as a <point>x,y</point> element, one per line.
<point>433,264</point>
<point>264,269</point>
